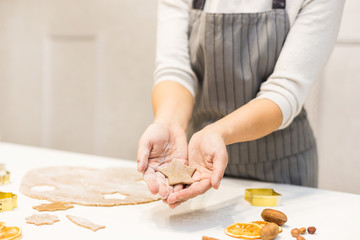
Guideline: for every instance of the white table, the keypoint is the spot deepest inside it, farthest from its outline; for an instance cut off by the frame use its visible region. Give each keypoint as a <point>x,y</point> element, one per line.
<point>336,215</point>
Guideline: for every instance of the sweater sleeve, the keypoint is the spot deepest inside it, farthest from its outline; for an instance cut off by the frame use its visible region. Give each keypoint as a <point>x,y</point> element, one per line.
<point>306,50</point>
<point>172,53</point>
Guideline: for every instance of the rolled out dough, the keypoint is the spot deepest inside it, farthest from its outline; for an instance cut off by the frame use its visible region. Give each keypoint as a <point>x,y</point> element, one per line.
<point>87,186</point>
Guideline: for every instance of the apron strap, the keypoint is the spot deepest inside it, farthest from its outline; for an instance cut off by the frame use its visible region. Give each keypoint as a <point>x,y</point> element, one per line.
<point>279,4</point>
<point>199,4</point>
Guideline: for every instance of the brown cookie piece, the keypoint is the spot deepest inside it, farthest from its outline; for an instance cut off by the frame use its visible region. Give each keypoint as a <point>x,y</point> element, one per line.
<point>55,206</point>
<point>42,219</point>
<point>177,172</point>
<point>85,223</point>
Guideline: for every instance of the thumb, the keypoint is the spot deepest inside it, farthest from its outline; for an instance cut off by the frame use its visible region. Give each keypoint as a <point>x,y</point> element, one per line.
<point>143,154</point>
<point>219,164</point>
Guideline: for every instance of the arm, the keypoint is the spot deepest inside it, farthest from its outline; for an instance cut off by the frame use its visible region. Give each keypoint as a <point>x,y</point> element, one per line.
<point>305,52</point>
<point>172,51</point>
<point>172,104</point>
<point>175,84</point>
<point>254,120</point>
<point>165,139</point>
<point>172,98</point>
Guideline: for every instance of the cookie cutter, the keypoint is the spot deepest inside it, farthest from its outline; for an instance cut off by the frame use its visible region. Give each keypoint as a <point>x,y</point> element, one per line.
<point>4,175</point>
<point>8,201</point>
<point>264,197</point>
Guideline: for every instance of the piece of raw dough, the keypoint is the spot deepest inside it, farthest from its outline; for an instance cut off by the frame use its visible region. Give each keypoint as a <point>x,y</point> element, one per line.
<point>87,186</point>
<point>55,206</point>
<point>177,172</point>
<point>82,222</point>
<point>42,219</point>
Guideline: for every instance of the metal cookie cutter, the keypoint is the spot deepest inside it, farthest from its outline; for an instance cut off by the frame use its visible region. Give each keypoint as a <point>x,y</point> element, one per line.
<point>8,201</point>
<point>4,175</point>
<point>264,197</point>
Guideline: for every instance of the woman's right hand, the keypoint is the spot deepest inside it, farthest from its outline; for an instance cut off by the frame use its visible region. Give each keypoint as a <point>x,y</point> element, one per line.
<point>159,144</point>
<point>208,155</point>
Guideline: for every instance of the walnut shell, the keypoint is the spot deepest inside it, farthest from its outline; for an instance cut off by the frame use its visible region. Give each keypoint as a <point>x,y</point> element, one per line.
<point>269,231</point>
<point>271,215</point>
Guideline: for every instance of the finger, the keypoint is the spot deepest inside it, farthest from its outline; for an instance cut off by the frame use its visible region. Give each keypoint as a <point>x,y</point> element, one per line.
<point>150,179</point>
<point>174,205</point>
<point>178,187</point>
<point>143,155</point>
<point>164,188</point>
<point>219,164</point>
<point>194,190</point>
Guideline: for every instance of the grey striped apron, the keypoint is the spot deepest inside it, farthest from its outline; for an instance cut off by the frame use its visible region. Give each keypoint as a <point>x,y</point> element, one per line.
<point>231,55</point>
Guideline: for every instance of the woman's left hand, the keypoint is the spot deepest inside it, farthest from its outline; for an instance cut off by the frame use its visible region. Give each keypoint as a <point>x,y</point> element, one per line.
<point>207,153</point>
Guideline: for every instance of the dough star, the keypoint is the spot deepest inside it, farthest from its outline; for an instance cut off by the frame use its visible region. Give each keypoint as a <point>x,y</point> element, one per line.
<point>177,172</point>
<point>55,206</point>
<point>42,219</point>
<point>83,222</point>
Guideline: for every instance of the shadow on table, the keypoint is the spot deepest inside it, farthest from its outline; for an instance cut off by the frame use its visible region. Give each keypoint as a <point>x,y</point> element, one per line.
<point>219,215</point>
<point>201,213</point>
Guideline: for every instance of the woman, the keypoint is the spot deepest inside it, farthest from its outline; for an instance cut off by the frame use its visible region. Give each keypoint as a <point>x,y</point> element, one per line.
<point>234,74</point>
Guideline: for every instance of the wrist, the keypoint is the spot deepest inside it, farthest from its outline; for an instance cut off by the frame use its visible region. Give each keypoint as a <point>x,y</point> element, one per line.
<point>170,122</point>
<point>221,130</point>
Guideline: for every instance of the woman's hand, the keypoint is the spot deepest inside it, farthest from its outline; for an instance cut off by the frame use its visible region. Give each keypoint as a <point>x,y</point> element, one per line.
<point>207,153</point>
<point>159,144</point>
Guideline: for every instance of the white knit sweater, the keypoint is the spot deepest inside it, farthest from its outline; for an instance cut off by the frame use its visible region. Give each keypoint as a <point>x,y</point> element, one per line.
<point>312,36</point>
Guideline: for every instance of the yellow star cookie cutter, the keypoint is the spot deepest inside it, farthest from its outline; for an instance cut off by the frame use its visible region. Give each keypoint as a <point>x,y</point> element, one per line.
<point>264,197</point>
<point>8,201</point>
<point>4,175</point>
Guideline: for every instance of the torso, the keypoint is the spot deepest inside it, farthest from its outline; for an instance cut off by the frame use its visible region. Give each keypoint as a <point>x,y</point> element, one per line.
<point>231,55</point>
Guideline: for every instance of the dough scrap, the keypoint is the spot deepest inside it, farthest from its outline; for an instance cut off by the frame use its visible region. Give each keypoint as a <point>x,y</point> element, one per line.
<point>87,186</point>
<point>177,172</point>
<point>55,206</point>
<point>85,223</point>
<point>42,219</point>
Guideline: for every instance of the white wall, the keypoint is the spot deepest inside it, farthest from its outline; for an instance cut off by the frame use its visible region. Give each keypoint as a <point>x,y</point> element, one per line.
<point>334,108</point>
<point>77,76</point>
